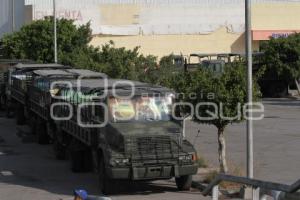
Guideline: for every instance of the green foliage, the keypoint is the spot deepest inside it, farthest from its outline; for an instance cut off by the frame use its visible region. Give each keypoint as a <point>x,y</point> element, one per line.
<point>84,58</point>
<point>227,90</point>
<point>281,58</point>
<point>124,63</point>
<point>164,73</point>
<point>35,41</point>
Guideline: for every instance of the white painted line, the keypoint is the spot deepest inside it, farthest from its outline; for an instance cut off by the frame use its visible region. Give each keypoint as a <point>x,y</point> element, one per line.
<point>7,173</point>
<point>1,153</point>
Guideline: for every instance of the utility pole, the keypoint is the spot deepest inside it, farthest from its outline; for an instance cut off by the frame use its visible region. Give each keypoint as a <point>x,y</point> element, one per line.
<point>248,35</point>
<point>13,26</point>
<point>55,31</point>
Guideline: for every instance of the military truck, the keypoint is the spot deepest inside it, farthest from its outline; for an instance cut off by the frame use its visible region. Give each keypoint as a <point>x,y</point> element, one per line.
<point>123,131</point>
<point>19,79</point>
<point>40,98</point>
<point>208,61</point>
<point>5,65</point>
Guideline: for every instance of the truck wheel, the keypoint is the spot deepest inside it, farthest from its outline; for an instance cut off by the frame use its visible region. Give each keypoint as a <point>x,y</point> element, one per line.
<point>20,117</point>
<point>41,132</point>
<point>184,182</point>
<point>8,112</point>
<point>106,185</point>
<point>2,102</point>
<point>9,109</point>
<point>76,159</point>
<point>87,160</point>
<point>32,124</point>
<point>59,150</point>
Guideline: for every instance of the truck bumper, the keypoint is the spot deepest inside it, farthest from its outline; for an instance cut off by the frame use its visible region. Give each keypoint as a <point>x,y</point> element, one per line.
<point>152,172</point>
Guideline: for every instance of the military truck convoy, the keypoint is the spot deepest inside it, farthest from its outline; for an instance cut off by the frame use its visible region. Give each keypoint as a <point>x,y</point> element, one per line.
<point>123,130</point>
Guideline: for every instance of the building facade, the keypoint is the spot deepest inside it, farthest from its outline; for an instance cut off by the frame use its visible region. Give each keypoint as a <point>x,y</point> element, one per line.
<point>162,27</point>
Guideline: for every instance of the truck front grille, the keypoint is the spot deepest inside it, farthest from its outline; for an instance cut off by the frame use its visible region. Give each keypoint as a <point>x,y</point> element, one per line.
<point>152,148</point>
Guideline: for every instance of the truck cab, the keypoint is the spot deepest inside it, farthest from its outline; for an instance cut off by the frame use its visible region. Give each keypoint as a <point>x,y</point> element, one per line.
<point>129,130</point>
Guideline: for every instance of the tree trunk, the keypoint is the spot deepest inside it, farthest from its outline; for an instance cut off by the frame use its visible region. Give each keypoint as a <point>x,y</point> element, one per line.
<point>222,151</point>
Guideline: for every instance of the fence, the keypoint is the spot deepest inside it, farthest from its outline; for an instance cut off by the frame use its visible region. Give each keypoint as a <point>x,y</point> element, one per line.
<point>256,184</point>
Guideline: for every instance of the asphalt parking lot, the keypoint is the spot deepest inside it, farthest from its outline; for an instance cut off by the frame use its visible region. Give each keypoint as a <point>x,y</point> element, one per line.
<point>30,171</point>
<point>276,142</point>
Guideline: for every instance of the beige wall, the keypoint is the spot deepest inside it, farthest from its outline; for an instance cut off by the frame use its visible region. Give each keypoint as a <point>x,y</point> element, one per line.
<point>278,16</point>
<point>119,15</point>
<point>160,45</point>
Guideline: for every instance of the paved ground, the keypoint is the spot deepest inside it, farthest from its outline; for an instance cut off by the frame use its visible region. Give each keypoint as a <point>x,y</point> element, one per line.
<point>276,142</point>
<point>29,171</point>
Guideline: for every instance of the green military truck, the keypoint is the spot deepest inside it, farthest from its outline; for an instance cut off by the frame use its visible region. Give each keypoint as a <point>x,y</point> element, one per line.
<point>19,80</point>
<point>40,97</point>
<point>123,131</point>
<point>5,65</point>
<point>207,61</point>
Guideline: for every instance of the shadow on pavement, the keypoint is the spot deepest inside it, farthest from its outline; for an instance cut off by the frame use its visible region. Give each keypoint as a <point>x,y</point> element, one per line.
<point>23,163</point>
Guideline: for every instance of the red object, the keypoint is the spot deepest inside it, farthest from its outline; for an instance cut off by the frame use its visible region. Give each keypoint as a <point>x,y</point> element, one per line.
<point>267,34</point>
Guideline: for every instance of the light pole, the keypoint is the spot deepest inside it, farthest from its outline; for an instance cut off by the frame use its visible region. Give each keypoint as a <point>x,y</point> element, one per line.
<point>248,35</point>
<point>13,15</point>
<point>55,31</point>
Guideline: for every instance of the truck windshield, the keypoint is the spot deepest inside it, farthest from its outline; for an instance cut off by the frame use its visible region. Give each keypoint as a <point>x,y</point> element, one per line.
<point>140,109</point>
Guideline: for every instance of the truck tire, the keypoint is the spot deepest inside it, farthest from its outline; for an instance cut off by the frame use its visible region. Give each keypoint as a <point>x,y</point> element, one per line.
<point>88,160</point>
<point>41,132</point>
<point>2,102</point>
<point>184,183</point>
<point>32,124</point>
<point>59,150</point>
<point>59,147</point>
<point>76,161</point>
<point>20,117</point>
<point>106,185</point>
<point>8,109</point>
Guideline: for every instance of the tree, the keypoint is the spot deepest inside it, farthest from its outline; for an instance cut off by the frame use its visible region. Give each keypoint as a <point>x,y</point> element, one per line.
<point>224,94</point>
<point>125,63</point>
<point>163,73</point>
<point>282,58</point>
<point>35,41</point>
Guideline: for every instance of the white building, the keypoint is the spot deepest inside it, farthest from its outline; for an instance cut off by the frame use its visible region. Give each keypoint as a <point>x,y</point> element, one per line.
<point>162,27</point>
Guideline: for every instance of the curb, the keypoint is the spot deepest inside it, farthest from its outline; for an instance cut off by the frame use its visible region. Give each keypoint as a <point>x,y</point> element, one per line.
<point>197,185</point>
<point>293,97</point>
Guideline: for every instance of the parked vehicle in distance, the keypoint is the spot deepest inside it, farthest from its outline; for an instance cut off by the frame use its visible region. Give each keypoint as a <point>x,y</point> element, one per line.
<point>5,65</point>
<point>40,97</point>
<point>124,132</point>
<point>19,80</point>
<point>207,61</point>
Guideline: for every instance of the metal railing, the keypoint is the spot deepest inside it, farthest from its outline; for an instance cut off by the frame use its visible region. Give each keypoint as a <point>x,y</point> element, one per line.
<point>256,184</point>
